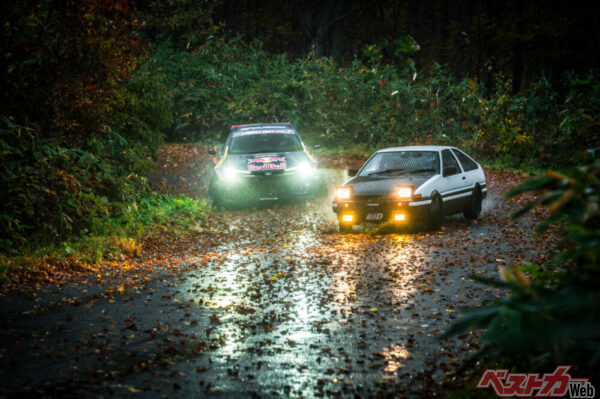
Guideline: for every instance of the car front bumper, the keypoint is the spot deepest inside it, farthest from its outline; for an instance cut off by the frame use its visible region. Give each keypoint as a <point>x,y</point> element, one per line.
<point>255,187</point>
<point>381,210</point>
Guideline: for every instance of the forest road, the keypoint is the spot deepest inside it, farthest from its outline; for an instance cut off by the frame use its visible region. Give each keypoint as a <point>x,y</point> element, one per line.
<point>282,306</point>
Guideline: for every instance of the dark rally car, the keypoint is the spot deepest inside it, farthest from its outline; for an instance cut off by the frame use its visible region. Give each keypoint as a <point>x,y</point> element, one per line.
<point>262,162</point>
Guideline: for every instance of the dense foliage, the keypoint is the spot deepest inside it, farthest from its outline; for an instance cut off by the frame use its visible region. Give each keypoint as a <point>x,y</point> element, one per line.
<point>222,83</point>
<point>64,62</point>
<point>77,130</point>
<point>546,322</point>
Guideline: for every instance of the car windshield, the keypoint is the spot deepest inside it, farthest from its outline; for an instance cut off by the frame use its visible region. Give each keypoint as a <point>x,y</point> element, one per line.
<point>268,142</point>
<point>402,162</point>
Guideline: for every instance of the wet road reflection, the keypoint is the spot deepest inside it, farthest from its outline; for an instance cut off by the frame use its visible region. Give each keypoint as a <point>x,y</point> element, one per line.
<point>320,313</point>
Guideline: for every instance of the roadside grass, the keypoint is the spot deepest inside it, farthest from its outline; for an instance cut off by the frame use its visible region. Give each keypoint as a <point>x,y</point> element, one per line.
<point>110,238</point>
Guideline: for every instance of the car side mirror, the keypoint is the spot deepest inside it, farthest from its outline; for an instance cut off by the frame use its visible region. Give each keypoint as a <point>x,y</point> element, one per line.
<point>317,146</point>
<point>449,171</point>
<point>352,172</point>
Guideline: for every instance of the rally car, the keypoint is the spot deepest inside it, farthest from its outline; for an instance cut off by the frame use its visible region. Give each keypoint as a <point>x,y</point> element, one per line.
<point>262,162</point>
<point>411,185</point>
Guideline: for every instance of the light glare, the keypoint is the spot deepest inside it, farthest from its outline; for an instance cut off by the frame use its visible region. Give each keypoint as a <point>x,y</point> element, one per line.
<point>399,217</point>
<point>306,170</point>
<point>342,193</point>
<point>229,174</point>
<point>347,218</point>
<point>404,192</point>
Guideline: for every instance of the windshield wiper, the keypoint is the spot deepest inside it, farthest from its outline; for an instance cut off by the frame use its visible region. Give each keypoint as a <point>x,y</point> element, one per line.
<point>421,170</point>
<point>387,171</point>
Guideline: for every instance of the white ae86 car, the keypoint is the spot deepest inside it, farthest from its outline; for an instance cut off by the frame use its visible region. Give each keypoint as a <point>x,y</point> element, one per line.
<point>411,185</point>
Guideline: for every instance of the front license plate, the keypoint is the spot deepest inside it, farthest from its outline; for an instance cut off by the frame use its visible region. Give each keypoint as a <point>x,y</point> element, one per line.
<point>374,216</point>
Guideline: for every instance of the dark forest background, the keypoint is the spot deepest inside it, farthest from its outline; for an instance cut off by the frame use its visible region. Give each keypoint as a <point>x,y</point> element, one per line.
<point>518,40</point>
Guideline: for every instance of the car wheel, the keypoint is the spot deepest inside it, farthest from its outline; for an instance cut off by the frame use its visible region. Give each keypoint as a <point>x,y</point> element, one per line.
<point>436,215</point>
<point>345,228</point>
<point>474,208</point>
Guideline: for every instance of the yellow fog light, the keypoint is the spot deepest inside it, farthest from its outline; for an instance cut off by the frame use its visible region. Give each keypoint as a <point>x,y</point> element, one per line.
<point>347,218</point>
<point>399,217</point>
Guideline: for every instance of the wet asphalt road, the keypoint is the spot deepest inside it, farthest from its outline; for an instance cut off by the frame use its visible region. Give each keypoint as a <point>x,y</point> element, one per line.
<point>282,307</point>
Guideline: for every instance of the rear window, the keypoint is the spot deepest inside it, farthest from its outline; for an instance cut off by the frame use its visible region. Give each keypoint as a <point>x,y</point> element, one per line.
<point>467,163</point>
<point>269,142</point>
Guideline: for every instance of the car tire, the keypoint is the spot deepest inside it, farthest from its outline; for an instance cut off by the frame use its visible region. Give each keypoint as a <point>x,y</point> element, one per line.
<point>474,208</point>
<point>345,228</point>
<point>436,215</point>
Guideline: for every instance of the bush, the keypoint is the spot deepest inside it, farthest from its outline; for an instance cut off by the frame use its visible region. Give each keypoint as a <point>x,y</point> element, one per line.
<point>79,122</point>
<point>551,322</point>
<point>222,83</point>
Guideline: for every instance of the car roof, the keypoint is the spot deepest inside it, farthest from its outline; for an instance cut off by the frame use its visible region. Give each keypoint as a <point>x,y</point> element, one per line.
<point>262,128</point>
<point>417,148</point>
<point>259,126</point>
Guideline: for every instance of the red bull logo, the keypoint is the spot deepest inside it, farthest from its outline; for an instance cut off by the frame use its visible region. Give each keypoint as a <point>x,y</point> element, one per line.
<point>266,163</point>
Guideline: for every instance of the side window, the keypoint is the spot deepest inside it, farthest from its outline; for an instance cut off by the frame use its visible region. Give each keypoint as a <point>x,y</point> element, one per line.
<point>467,163</point>
<point>449,162</point>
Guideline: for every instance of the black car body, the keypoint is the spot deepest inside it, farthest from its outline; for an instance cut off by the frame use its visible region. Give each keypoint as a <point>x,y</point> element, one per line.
<point>411,185</point>
<point>262,162</point>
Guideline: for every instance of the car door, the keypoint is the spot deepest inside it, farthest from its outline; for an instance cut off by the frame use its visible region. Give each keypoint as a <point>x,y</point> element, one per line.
<point>455,189</point>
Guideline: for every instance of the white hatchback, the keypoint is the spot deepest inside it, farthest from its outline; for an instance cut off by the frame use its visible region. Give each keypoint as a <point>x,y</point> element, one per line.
<point>411,184</point>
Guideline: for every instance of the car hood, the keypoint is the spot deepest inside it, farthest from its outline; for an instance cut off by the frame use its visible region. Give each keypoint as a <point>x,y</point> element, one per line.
<point>384,185</point>
<point>266,161</point>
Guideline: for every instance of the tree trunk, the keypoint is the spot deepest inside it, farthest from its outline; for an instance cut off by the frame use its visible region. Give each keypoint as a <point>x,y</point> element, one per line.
<point>517,69</point>
<point>324,28</point>
<point>322,34</point>
<point>230,16</point>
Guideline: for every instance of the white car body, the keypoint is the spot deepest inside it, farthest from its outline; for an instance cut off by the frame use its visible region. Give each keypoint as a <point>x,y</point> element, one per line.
<point>452,182</point>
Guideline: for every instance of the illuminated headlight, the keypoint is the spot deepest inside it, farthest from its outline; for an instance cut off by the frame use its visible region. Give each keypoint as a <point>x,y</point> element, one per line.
<point>306,170</point>
<point>348,217</point>
<point>343,193</point>
<point>404,192</point>
<point>229,174</point>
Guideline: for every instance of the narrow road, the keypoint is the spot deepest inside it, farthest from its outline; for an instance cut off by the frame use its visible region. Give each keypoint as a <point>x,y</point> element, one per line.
<point>279,306</point>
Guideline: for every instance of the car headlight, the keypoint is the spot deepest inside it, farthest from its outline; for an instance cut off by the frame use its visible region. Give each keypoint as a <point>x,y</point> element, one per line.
<point>404,192</point>
<point>229,174</point>
<point>306,170</point>
<point>343,192</point>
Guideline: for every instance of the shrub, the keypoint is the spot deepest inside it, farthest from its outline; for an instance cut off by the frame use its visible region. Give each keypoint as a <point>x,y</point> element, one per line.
<point>225,82</point>
<point>539,325</point>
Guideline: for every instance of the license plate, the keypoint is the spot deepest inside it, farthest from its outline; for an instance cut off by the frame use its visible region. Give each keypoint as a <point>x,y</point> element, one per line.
<point>374,216</point>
